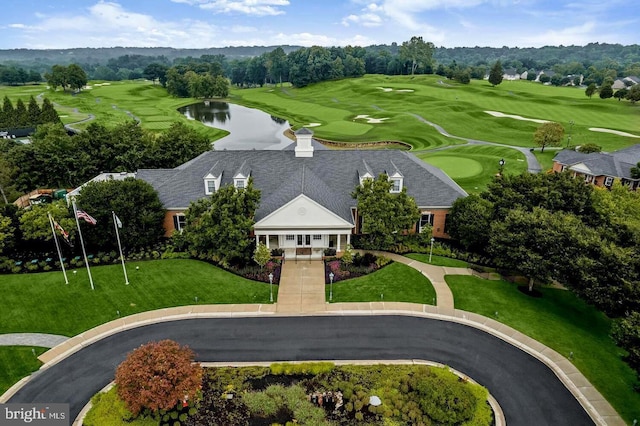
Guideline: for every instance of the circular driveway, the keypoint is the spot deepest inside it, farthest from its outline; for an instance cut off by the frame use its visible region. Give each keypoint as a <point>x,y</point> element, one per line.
<point>527,390</point>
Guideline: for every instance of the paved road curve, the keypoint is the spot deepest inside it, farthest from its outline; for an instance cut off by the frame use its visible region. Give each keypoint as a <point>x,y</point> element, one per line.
<point>527,390</point>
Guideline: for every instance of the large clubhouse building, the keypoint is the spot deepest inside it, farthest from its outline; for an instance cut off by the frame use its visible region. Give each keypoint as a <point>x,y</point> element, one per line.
<point>305,189</point>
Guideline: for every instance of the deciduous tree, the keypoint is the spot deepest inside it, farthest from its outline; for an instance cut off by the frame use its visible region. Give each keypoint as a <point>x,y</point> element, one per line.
<point>469,222</point>
<point>218,227</point>
<point>384,214</point>
<point>261,255</point>
<point>590,90</point>
<point>548,134</point>
<point>606,91</point>
<point>34,223</point>
<point>418,52</point>
<point>157,376</point>
<point>136,204</point>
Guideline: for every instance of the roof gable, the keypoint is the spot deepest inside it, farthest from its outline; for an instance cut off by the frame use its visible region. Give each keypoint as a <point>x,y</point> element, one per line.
<point>303,212</point>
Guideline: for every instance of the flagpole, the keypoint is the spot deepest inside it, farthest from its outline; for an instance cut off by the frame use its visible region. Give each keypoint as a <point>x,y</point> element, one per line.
<point>124,269</point>
<point>84,252</point>
<point>55,238</point>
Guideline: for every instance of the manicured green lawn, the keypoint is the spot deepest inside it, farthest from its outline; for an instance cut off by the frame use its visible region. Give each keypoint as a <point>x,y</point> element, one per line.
<point>473,167</point>
<point>44,303</point>
<point>460,109</point>
<point>437,260</point>
<point>393,283</point>
<point>563,322</point>
<point>17,362</point>
<point>114,102</point>
<point>545,158</point>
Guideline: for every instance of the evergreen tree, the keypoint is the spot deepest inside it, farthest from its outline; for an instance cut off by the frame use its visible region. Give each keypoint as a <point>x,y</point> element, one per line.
<point>21,114</point>
<point>496,73</point>
<point>8,118</point>
<point>48,113</point>
<point>33,112</point>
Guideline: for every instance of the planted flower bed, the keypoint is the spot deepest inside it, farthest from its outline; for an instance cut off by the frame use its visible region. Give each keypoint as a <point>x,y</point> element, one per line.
<point>353,265</point>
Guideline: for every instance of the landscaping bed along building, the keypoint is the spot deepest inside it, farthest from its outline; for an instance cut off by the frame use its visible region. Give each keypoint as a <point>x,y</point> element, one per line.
<point>319,393</point>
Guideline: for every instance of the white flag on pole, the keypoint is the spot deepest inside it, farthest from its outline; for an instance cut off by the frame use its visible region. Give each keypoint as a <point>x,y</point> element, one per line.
<point>118,222</point>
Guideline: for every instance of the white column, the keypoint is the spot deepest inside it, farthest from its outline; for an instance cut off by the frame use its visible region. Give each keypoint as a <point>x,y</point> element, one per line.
<point>257,240</point>
<point>267,237</point>
<point>338,247</point>
<point>349,238</point>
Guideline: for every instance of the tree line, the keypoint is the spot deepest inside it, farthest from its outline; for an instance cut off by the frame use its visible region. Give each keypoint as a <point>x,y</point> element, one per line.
<point>552,227</point>
<point>12,75</point>
<point>30,115</point>
<point>54,159</point>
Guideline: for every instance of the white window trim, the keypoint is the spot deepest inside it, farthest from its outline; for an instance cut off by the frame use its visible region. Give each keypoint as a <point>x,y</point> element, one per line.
<point>608,181</point>
<point>393,180</point>
<point>184,219</point>
<point>238,181</point>
<point>207,183</point>
<point>420,220</point>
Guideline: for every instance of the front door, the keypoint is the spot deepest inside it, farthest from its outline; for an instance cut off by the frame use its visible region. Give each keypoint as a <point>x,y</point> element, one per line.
<point>304,240</point>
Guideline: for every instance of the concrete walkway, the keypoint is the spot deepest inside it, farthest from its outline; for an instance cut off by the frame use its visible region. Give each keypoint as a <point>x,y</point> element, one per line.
<point>32,339</point>
<point>301,287</point>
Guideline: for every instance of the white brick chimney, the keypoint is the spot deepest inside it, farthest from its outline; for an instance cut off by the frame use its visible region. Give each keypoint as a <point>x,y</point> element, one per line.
<point>304,148</point>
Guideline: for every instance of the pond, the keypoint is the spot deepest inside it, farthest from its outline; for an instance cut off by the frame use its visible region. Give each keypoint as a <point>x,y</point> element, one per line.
<point>248,128</point>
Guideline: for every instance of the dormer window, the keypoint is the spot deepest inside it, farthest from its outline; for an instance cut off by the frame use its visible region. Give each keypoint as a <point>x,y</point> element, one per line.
<point>209,186</point>
<point>211,183</point>
<point>240,183</point>
<point>365,177</point>
<point>396,185</point>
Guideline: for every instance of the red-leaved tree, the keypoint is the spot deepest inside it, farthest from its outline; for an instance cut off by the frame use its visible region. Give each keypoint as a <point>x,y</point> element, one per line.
<point>158,376</point>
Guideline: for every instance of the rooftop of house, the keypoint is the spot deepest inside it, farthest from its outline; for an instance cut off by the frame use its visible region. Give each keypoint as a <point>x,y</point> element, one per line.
<point>328,177</point>
<point>614,164</point>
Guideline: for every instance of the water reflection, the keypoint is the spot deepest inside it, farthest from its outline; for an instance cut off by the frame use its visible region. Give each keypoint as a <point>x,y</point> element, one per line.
<point>249,128</point>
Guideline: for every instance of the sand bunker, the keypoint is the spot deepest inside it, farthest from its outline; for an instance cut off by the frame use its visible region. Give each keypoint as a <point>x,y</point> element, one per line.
<point>615,132</point>
<point>370,120</point>
<point>389,89</point>
<point>516,117</point>
<point>313,125</point>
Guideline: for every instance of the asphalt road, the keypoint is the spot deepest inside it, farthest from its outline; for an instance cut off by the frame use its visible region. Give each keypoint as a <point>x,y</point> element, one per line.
<point>527,390</point>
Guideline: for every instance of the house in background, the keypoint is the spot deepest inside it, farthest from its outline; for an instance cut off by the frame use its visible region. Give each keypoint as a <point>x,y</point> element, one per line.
<point>600,168</point>
<point>622,83</point>
<point>511,74</point>
<point>305,200</point>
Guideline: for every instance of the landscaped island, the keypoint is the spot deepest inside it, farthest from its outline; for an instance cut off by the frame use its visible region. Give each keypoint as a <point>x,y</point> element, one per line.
<point>321,394</point>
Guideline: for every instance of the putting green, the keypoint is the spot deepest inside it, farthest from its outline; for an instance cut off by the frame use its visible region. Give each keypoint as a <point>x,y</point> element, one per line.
<point>456,167</point>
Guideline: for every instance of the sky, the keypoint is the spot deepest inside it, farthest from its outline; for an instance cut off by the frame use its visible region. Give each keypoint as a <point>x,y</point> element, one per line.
<point>60,24</point>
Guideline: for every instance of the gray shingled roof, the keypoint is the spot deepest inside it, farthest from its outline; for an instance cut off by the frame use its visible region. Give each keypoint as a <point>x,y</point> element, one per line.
<point>329,178</point>
<point>614,164</point>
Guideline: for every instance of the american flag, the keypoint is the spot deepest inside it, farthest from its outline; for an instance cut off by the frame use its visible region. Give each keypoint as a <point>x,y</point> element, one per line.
<point>86,216</point>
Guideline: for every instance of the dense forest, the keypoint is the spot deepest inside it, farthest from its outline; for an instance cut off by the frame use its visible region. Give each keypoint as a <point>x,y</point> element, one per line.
<point>120,63</point>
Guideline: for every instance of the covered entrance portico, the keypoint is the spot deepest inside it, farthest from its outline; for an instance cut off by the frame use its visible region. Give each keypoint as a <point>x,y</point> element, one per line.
<point>303,226</point>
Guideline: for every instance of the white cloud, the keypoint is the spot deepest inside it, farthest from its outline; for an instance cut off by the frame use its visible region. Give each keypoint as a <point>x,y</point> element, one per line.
<point>366,20</point>
<point>247,7</point>
<point>17,26</point>
<point>576,35</point>
<point>109,24</point>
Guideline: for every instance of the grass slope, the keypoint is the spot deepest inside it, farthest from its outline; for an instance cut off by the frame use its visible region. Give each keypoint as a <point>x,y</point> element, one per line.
<point>473,167</point>
<point>116,102</point>
<point>457,108</point>
<point>42,302</point>
<point>563,322</point>
<point>393,283</point>
<point>17,362</point>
